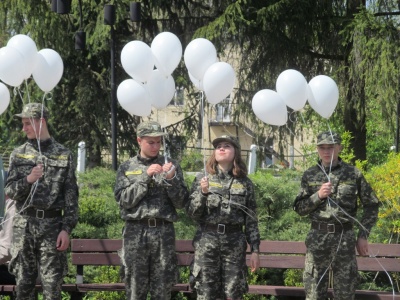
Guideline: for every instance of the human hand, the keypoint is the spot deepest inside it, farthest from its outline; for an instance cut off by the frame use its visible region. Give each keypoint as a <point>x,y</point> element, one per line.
<point>62,241</point>
<point>169,170</point>
<point>325,190</point>
<point>362,246</point>
<point>204,185</point>
<point>154,169</point>
<point>36,173</point>
<point>254,262</point>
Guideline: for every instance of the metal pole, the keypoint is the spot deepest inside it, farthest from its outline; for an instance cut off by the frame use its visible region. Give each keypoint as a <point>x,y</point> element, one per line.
<point>113,103</point>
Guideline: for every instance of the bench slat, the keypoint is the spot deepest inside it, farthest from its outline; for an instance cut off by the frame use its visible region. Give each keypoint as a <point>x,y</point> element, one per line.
<point>110,245</point>
<point>274,254</point>
<point>113,259</point>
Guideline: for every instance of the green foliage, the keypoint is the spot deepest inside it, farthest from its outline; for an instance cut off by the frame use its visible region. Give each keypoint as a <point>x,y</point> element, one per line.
<point>347,153</point>
<point>275,196</point>
<point>192,161</point>
<point>97,205</point>
<point>385,180</point>
<point>294,277</point>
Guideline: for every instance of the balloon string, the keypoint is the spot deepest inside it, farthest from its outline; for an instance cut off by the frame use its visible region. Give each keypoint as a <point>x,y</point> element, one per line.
<point>202,132</point>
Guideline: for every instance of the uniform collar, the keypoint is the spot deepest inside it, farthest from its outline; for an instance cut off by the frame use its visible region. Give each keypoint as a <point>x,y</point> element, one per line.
<point>146,160</point>
<point>338,165</point>
<point>43,144</point>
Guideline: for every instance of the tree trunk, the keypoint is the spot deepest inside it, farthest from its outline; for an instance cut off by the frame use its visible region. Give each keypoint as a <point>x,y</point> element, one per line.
<point>354,106</point>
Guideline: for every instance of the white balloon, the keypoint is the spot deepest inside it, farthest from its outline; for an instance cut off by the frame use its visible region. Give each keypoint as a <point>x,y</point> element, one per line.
<point>161,89</point>
<point>49,69</point>
<point>133,97</point>
<point>137,60</point>
<point>218,82</point>
<point>323,95</point>
<point>199,55</point>
<point>4,98</point>
<point>167,51</point>
<point>292,87</point>
<point>11,64</point>
<point>27,48</point>
<point>269,107</point>
<point>197,83</point>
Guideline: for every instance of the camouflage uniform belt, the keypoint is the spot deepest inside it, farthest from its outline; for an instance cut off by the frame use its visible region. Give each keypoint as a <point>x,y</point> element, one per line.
<point>42,214</point>
<point>151,222</point>
<point>221,228</point>
<point>331,227</point>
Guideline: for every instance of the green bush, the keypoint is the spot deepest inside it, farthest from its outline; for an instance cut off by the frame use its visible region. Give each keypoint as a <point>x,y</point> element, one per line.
<point>192,161</point>
<point>97,206</point>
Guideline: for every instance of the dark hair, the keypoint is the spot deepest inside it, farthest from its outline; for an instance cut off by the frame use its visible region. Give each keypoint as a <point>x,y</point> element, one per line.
<point>239,168</point>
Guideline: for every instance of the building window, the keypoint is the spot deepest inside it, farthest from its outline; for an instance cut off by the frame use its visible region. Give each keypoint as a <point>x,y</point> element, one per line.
<point>223,111</point>
<point>178,99</point>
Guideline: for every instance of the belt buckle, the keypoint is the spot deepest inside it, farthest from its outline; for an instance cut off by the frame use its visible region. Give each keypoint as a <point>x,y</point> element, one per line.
<point>152,222</point>
<point>38,212</point>
<point>330,228</point>
<point>221,228</point>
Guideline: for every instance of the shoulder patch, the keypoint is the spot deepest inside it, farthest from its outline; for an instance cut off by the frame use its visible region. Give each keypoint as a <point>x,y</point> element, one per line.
<point>215,184</point>
<point>58,157</point>
<point>26,156</point>
<point>315,183</point>
<point>135,172</point>
<point>237,186</point>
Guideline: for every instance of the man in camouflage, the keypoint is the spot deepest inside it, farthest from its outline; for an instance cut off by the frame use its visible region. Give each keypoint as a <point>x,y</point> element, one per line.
<point>149,188</point>
<point>41,180</point>
<point>328,195</point>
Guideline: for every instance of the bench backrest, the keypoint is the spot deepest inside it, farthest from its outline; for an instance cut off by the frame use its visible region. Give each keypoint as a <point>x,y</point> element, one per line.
<point>273,254</point>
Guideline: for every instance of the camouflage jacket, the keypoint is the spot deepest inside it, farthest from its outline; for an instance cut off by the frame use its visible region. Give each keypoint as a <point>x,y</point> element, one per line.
<point>140,196</point>
<point>56,190</point>
<point>230,201</point>
<point>348,185</point>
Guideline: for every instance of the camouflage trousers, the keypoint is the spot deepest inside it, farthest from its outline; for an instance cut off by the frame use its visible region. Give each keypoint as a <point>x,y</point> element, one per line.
<point>150,261</point>
<point>327,251</point>
<point>33,252</point>
<point>219,268</point>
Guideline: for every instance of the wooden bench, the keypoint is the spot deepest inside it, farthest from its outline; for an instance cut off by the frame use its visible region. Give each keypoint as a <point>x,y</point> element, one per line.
<point>273,255</point>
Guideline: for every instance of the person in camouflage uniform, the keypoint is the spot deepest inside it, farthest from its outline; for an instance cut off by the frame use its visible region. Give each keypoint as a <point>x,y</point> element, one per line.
<point>328,195</point>
<point>41,180</point>
<point>222,203</point>
<point>149,188</point>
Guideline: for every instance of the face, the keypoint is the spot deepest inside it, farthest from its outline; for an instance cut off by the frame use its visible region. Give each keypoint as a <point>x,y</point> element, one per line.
<point>224,152</point>
<point>149,146</point>
<point>329,153</point>
<point>31,127</point>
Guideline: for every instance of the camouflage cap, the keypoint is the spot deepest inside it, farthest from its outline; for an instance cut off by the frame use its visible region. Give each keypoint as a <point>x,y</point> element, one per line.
<point>33,110</point>
<point>328,138</point>
<point>149,128</point>
<point>226,138</point>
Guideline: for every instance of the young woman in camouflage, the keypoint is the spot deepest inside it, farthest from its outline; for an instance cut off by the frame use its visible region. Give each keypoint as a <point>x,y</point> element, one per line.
<point>328,196</point>
<point>222,202</point>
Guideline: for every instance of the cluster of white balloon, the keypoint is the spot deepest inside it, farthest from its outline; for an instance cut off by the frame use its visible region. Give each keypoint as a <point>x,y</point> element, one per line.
<point>149,87</point>
<point>19,60</point>
<point>292,90</point>
<point>215,78</point>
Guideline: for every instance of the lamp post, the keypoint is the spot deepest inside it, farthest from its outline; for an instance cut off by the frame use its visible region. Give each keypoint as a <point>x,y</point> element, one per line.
<point>109,19</point>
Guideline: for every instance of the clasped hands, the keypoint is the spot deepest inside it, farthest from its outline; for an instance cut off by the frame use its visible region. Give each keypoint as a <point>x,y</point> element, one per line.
<point>167,169</point>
